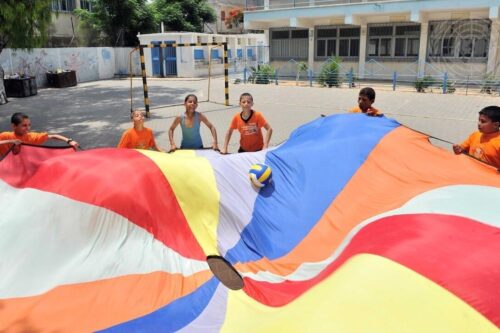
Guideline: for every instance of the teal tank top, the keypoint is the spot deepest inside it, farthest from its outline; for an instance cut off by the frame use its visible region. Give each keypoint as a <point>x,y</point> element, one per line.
<point>191,138</point>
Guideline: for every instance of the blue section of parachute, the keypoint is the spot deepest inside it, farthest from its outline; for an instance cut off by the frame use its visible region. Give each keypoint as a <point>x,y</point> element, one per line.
<point>173,316</point>
<point>309,171</point>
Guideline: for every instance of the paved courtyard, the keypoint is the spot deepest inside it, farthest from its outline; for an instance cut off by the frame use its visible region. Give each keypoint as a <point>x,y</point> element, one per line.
<point>96,113</point>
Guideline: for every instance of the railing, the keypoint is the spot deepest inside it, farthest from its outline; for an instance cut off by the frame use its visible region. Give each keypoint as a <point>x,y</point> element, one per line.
<point>296,73</point>
<point>252,5</point>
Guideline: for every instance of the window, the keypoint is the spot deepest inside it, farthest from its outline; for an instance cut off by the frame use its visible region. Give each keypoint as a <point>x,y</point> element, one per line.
<point>354,47</point>
<point>280,34</point>
<point>464,39</point>
<point>63,5</point>
<point>373,47</point>
<point>289,43</point>
<point>85,4</point>
<point>300,34</point>
<point>413,47</point>
<point>344,47</point>
<point>342,41</point>
<point>321,52</point>
<point>466,47</point>
<point>448,47</point>
<point>480,48</point>
<point>395,40</point>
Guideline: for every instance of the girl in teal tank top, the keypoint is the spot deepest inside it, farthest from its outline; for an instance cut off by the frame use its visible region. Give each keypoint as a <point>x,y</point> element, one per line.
<point>190,126</point>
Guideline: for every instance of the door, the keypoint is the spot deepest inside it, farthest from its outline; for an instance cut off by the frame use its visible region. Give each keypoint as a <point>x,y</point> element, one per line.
<point>155,59</point>
<point>170,59</point>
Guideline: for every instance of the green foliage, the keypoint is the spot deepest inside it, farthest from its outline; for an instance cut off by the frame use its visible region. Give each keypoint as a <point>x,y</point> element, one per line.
<point>329,75</point>
<point>261,74</point>
<point>450,87</point>
<point>424,83</point>
<point>116,22</point>
<point>183,15</point>
<point>301,67</point>
<point>24,23</point>
<point>489,84</point>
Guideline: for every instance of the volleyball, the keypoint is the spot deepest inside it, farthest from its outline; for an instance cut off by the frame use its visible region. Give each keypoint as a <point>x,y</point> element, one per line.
<point>260,175</point>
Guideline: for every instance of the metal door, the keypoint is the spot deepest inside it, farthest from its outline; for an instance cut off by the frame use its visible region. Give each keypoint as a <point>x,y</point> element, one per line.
<point>155,59</point>
<point>170,59</point>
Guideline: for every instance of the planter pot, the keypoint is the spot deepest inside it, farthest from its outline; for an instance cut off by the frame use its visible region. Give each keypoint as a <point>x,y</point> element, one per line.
<point>21,87</point>
<point>61,80</point>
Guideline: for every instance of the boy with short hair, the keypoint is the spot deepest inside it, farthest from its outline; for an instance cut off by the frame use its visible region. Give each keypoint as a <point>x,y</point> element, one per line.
<point>366,98</point>
<point>139,136</point>
<point>21,125</point>
<point>485,143</point>
<point>249,123</point>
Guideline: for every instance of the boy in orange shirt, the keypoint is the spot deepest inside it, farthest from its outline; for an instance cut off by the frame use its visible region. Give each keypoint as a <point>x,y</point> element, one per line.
<point>366,98</point>
<point>485,143</point>
<point>139,136</point>
<point>249,123</point>
<point>21,125</point>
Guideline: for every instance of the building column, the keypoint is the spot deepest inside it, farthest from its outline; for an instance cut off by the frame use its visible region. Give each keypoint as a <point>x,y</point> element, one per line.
<point>422,51</point>
<point>266,4</point>
<point>492,65</point>
<point>362,51</point>
<point>310,55</point>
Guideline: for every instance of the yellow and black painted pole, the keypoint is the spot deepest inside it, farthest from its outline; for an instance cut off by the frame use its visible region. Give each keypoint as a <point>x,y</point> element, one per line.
<point>226,76</point>
<point>144,81</point>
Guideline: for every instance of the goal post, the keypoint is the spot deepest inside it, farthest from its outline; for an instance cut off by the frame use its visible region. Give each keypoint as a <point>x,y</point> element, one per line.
<point>175,45</point>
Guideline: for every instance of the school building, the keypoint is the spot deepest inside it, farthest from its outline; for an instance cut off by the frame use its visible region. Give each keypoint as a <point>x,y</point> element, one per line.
<point>379,37</point>
<point>244,50</point>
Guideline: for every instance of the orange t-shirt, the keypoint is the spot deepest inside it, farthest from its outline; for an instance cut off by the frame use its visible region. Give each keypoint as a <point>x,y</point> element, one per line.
<point>33,138</point>
<point>135,139</point>
<point>485,147</point>
<point>251,138</point>
<point>357,109</point>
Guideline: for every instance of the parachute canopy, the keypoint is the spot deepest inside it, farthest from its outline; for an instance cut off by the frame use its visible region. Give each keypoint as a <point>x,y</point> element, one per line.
<point>366,227</point>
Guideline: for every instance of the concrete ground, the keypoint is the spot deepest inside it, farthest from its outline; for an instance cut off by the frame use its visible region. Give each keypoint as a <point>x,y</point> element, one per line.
<point>96,113</point>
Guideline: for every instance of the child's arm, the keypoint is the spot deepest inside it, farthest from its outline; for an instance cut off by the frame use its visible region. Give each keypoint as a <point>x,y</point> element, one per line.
<point>13,141</point>
<point>176,122</point>
<point>158,148</point>
<point>269,132</point>
<point>463,147</point>
<point>69,141</point>
<point>204,119</point>
<point>226,141</point>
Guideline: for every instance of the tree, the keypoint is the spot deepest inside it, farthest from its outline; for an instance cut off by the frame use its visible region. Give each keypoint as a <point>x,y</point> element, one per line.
<point>301,67</point>
<point>117,22</point>
<point>184,15</point>
<point>24,25</point>
<point>235,18</point>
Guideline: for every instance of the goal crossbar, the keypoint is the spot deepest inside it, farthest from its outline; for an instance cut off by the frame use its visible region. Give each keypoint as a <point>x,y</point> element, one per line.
<point>174,44</point>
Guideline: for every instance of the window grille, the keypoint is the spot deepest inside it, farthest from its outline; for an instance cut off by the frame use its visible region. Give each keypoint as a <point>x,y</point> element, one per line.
<point>464,39</point>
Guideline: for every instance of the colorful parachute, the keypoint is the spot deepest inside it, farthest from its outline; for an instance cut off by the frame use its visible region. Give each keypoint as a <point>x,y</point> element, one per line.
<point>366,228</point>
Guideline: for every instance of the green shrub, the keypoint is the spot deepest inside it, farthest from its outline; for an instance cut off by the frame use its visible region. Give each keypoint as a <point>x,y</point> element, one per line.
<point>262,74</point>
<point>424,83</point>
<point>488,85</point>
<point>329,75</point>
